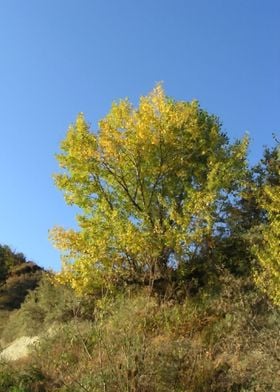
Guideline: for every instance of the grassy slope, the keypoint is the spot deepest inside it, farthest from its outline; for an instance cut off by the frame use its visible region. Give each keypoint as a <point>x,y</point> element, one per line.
<point>226,338</point>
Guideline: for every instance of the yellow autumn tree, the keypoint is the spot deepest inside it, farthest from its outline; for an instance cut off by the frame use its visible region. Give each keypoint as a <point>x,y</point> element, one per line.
<point>150,184</point>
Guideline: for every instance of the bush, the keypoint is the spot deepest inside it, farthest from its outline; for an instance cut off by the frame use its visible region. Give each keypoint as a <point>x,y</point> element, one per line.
<point>22,378</point>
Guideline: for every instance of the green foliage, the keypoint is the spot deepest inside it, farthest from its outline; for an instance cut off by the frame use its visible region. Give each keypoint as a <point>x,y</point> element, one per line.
<point>266,172</point>
<point>267,250</point>
<point>263,234</point>
<point>251,222</point>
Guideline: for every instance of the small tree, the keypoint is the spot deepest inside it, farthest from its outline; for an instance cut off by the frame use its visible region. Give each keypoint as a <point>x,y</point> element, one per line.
<point>151,185</point>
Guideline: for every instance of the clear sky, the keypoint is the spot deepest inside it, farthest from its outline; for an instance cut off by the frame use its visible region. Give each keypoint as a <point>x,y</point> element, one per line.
<point>61,57</point>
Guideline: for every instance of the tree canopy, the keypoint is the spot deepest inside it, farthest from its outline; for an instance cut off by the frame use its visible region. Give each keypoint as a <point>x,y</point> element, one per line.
<point>151,185</point>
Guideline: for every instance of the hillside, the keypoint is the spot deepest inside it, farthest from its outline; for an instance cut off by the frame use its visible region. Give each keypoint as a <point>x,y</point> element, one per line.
<point>216,332</point>
<point>17,277</point>
<point>223,338</point>
<point>20,279</point>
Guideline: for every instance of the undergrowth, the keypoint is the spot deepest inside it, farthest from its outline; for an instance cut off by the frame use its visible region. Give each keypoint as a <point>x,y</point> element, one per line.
<point>222,339</point>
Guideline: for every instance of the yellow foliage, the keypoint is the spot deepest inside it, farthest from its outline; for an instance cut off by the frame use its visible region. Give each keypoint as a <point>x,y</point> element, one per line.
<point>148,184</point>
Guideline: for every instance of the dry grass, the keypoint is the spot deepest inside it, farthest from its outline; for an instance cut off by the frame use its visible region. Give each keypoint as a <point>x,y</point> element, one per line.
<point>214,342</point>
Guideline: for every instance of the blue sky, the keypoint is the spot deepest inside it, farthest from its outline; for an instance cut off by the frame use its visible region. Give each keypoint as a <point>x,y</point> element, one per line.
<point>61,57</point>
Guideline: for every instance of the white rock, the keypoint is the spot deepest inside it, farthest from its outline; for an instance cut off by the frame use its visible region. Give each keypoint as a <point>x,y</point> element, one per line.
<point>19,348</point>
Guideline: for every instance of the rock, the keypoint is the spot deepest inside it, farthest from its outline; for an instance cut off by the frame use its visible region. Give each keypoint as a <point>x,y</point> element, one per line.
<point>19,348</point>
